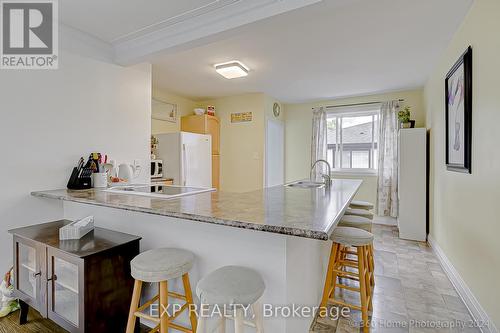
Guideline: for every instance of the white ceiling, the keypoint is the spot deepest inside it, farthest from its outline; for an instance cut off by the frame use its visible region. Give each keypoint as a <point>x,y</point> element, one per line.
<point>135,29</point>
<point>297,50</point>
<point>111,20</point>
<point>334,48</point>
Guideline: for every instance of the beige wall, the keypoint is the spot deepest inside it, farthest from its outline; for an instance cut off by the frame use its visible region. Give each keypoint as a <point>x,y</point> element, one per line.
<point>242,144</point>
<point>184,107</point>
<point>298,129</point>
<point>464,218</point>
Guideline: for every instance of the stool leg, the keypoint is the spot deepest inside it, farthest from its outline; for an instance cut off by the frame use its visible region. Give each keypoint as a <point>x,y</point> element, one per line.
<point>238,321</point>
<point>134,304</point>
<point>257,311</point>
<point>163,307</point>
<point>202,325</point>
<point>329,275</point>
<point>372,266</point>
<point>363,287</point>
<point>189,300</point>
<point>368,277</point>
<point>222,324</point>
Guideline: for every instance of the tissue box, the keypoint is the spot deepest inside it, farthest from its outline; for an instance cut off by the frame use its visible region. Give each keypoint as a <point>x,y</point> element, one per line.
<point>77,229</point>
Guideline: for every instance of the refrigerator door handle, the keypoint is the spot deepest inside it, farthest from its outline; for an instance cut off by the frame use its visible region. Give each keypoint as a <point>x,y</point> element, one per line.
<point>184,162</point>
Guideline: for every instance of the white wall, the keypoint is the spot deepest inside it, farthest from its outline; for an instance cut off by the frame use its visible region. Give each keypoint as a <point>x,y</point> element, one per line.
<point>299,130</point>
<point>49,118</point>
<point>464,219</point>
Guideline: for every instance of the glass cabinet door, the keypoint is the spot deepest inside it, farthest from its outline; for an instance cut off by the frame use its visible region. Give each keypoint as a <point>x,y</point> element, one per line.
<point>64,281</point>
<point>27,269</point>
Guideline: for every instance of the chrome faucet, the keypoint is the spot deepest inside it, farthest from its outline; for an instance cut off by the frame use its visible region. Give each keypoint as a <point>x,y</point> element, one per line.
<point>326,178</point>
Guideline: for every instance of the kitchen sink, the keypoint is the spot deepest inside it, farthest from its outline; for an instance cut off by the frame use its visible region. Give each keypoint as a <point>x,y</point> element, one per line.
<point>306,184</point>
<point>158,191</point>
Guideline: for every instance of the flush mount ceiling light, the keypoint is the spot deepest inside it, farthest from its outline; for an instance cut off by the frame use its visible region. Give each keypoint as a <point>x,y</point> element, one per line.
<point>232,69</point>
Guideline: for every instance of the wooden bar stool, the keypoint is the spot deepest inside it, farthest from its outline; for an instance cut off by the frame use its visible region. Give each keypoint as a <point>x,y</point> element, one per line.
<point>359,212</point>
<point>160,266</point>
<point>355,221</point>
<point>234,287</point>
<point>358,204</point>
<point>360,222</point>
<point>344,237</point>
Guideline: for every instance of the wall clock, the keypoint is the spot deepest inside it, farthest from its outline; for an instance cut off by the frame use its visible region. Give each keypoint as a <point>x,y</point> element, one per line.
<point>276,110</point>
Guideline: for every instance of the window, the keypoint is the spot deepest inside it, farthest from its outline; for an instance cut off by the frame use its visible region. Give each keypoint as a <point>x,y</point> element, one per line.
<point>352,138</point>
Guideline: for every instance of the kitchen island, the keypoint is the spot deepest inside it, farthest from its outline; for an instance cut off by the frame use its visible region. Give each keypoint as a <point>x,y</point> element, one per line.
<point>282,232</point>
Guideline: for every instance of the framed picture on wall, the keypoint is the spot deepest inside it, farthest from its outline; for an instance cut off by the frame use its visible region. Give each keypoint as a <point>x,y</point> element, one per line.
<point>458,88</point>
<point>163,111</point>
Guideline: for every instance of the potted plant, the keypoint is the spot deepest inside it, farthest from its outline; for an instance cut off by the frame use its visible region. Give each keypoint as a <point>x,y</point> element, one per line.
<point>404,117</point>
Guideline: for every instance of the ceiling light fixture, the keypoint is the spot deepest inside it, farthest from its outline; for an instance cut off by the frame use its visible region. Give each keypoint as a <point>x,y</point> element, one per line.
<point>232,69</point>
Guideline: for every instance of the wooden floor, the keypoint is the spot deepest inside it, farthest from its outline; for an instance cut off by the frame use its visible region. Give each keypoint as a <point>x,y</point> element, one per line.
<point>35,324</point>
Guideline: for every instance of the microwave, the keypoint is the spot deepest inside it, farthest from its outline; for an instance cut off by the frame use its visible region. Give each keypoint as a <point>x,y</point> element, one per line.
<point>156,168</point>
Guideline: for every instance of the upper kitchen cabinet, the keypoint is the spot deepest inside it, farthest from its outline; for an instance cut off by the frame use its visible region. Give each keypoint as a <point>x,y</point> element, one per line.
<point>203,124</point>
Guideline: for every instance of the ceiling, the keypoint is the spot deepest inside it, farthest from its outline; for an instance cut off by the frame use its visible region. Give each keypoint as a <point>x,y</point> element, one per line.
<point>112,20</point>
<point>330,49</point>
<point>297,50</point>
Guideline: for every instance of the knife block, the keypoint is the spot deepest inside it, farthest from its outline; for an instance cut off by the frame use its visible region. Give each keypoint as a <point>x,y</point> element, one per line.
<point>78,183</point>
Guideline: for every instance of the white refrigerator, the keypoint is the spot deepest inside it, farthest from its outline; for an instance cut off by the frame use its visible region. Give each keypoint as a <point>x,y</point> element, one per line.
<point>412,184</point>
<point>187,158</point>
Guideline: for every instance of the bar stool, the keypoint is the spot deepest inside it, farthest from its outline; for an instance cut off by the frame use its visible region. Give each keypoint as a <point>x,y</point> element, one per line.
<point>358,204</point>
<point>359,212</point>
<point>337,267</point>
<point>233,286</point>
<point>160,266</point>
<point>354,221</point>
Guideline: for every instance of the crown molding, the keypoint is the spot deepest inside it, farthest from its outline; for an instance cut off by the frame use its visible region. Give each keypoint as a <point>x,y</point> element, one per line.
<point>83,44</point>
<point>216,17</point>
<point>185,16</point>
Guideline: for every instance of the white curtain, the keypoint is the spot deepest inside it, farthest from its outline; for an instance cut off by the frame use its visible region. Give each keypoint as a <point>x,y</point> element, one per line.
<point>319,142</point>
<point>387,189</point>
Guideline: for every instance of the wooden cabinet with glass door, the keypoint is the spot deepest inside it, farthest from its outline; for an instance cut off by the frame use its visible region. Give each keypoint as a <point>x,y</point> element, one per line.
<point>83,285</point>
<point>206,124</point>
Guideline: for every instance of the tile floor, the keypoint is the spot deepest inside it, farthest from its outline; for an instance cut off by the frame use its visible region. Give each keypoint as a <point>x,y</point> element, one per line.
<point>411,291</point>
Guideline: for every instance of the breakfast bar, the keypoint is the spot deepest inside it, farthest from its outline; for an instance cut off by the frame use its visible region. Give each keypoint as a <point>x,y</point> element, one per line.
<point>282,232</point>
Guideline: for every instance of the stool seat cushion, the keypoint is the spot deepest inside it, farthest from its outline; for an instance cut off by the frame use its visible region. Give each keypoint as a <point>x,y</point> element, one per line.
<point>361,204</point>
<point>359,212</point>
<point>351,236</point>
<point>161,264</point>
<point>231,285</point>
<point>355,221</point>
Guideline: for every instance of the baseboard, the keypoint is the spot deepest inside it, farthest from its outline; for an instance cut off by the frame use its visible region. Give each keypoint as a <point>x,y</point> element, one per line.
<point>476,310</point>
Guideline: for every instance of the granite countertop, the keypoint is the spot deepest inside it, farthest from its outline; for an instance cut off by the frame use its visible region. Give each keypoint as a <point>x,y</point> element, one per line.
<point>303,212</point>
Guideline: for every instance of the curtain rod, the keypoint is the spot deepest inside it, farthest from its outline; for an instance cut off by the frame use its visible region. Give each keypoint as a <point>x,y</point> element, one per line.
<point>356,104</point>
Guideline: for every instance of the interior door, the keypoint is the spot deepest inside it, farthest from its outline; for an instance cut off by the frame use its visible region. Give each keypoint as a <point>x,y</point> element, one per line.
<point>275,153</point>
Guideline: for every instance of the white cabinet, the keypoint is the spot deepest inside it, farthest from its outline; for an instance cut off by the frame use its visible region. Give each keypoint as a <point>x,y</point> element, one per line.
<point>412,184</point>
